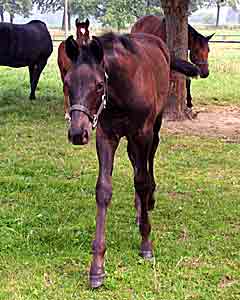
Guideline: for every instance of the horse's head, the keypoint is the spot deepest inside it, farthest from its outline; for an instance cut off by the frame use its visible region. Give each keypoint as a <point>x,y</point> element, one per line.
<point>199,50</point>
<point>87,82</point>
<point>82,32</point>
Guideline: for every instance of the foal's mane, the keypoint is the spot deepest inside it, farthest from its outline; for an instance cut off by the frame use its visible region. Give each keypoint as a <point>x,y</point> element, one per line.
<point>110,42</point>
<point>110,39</point>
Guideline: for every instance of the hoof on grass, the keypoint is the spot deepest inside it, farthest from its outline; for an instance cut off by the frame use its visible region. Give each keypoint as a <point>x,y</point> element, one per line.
<point>96,280</point>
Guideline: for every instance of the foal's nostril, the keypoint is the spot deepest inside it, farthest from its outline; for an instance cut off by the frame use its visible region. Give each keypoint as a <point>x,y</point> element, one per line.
<point>85,136</point>
<point>78,136</point>
<point>74,136</point>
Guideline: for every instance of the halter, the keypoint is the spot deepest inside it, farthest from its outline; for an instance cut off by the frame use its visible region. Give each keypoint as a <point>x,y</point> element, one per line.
<point>93,117</point>
<point>203,62</point>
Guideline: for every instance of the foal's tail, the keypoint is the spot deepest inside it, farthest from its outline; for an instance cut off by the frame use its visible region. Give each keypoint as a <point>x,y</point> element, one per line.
<point>184,67</point>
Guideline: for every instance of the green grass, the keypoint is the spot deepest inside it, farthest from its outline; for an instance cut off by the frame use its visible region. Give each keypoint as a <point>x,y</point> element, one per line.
<point>47,204</point>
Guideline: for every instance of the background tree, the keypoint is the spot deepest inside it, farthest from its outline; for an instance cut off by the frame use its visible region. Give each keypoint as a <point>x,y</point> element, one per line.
<point>13,7</point>
<point>118,14</point>
<point>55,5</point>
<point>217,3</point>
<point>176,15</point>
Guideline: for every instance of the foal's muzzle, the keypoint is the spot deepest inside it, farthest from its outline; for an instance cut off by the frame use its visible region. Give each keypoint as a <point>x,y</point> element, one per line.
<point>78,136</point>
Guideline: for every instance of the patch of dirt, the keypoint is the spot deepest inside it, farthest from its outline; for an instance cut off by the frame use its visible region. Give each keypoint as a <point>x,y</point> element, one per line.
<point>211,121</point>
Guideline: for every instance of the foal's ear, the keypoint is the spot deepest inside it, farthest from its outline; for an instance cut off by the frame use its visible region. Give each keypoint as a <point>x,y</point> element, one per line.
<point>87,23</point>
<point>72,49</point>
<point>76,22</point>
<point>210,36</point>
<point>96,49</point>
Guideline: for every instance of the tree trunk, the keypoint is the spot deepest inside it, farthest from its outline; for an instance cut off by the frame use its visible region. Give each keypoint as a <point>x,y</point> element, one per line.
<point>176,16</point>
<point>218,14</point>
<point>11,18</point>
<point>1,14</point>
<point>63,20</point>
<point>69,20</point>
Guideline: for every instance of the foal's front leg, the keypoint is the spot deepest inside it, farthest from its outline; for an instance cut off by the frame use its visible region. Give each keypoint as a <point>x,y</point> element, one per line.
<point>106,147</point>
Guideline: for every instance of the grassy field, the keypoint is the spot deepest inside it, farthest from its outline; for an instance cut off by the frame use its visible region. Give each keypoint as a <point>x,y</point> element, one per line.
<point>47,202</point>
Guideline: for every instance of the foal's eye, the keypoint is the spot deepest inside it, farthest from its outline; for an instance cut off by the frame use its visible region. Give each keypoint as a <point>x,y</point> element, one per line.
<point>100,86</point>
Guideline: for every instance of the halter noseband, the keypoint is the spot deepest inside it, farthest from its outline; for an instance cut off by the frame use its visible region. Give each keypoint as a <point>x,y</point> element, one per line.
<point>93,117</point>
<point>203,62</point>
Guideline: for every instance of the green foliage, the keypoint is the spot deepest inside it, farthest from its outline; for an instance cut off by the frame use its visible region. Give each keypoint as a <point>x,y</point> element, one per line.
<point>207,3</point>
<point>20,7</point>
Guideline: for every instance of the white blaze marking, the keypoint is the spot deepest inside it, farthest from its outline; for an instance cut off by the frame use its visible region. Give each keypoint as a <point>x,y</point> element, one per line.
<point>83,30</point>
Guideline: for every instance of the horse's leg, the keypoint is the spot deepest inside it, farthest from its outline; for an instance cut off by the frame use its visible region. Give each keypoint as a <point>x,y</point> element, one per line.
<point>35,71</point>
<point>189,97</point>
<point>139,150</point>
<point>137,201</point>
<point>156,129</point>
<point>106,147</point>
<point>153,150</point>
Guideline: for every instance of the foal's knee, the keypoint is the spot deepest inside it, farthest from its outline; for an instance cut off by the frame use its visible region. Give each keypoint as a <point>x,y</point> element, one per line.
<point>103,193</point>
<point>142,187</point>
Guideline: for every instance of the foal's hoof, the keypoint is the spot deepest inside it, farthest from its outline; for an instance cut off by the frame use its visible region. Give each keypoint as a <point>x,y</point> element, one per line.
<point>32,97</point>
<point>147,254</point>
<point>67,117</point>
<point>96,280</point>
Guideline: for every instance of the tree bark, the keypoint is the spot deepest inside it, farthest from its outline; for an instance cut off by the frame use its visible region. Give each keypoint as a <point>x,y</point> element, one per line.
<point>218,14</point>
<point>176,16</point>
<point>1,14</point>
<point>63,20</point>
<point>69,20</point>
<point>11,18</point>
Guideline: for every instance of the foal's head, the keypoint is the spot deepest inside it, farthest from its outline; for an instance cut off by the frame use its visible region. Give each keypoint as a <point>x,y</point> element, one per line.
<point>199,50</point>
<point>86,82</point>
<point>82,32</point>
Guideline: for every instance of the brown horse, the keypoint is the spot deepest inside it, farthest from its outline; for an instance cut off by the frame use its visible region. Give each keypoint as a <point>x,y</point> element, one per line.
<point>64,62</point>
<point>119,84</point>
<point>197,44</point>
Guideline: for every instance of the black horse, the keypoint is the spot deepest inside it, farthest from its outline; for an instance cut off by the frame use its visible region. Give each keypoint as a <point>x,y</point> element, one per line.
<point>28,45</point>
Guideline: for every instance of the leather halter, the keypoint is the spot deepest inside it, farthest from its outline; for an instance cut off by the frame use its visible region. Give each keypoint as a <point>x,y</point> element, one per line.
<point>203,62</point>
<point>93,117</point>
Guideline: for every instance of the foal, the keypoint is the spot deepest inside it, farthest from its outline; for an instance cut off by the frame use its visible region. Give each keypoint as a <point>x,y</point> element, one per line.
<point>64,62</point>
<point>119,85</point>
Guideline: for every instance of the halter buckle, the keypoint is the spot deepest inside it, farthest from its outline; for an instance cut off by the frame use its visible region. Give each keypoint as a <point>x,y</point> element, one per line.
<point>95,121</point>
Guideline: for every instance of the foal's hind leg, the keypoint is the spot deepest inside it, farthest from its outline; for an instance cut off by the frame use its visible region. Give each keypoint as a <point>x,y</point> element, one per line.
<point>153,150</point>
<point>156,129</point>
<point>137,201</point>
<point>106,147</point>
<point>138,150</point>
<point>35,71</point>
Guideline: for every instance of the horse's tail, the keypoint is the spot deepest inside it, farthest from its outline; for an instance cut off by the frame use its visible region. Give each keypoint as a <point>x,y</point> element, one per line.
<point>184,67</point>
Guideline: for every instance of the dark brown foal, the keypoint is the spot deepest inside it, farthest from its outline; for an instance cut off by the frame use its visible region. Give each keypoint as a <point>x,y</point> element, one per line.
<point>119,85</point>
